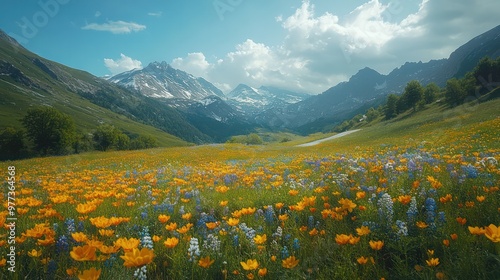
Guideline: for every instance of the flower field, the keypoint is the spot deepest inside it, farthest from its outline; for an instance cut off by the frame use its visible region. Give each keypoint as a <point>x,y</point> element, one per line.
<point>421,206</point>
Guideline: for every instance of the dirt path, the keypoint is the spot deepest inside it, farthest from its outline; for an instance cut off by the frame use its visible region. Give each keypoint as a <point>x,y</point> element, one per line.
<point>313,143</point>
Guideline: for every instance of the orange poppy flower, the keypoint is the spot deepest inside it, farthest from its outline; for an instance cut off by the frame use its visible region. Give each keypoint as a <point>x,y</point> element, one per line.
<point>171,226</point>
<point>205,262</point>
<point>250,264</point>
<point>83,253</point>
<point>492,232</point>
<point>79,236</point>
<point>128,244</point>
<point>290,262</point>
<point>163,218</point>
<point>90,274</point>
<point>376,245</point>
<point>432,262</point>
<point>233,222</point>
<point>171,242</point>
<point>363,230</point>
<point>136,257</point>
<point>260,239</point>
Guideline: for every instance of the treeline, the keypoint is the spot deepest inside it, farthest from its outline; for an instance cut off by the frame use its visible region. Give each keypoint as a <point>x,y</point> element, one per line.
<point>47,131</point>
<point>484,78</point>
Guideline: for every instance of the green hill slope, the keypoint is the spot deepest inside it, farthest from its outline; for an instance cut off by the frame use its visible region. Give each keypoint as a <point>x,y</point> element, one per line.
<point>28,80</point>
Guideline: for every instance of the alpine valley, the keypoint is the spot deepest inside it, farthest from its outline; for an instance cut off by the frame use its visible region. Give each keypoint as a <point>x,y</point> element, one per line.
<point>177,108</point>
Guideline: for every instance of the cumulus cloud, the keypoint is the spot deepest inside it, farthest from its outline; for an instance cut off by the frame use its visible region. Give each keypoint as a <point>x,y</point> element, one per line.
<point>124,63</point>
<point>320,51</point>
<point>115,27</point>
<point>195,64</point>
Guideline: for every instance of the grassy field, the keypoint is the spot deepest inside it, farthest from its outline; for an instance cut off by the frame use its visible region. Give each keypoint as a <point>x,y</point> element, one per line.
<point>414,198</point>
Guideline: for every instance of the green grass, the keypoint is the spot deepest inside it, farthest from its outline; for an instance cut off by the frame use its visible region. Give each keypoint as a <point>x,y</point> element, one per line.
<point>16,99</point>
<point>311,184</point>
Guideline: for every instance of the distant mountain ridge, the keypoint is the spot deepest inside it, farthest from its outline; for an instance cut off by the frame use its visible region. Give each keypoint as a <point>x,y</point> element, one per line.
<point>369,88</point>
<point>160,80</point>
<point>255,100</point>
<point>195,110</point>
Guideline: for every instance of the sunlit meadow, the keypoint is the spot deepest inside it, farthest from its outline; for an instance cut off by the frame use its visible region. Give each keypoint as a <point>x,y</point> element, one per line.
<point>423,206</point>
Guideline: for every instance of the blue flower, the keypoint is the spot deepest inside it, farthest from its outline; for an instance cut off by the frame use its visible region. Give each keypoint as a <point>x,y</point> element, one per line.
<point>70,225</point>
<point>269,215</point>
<point>310,221</point>
<point>441,217</point>
<point>430,212</point>
<point>62,244</point>
<point>470,171</point>
<point>296,244</point>
<point>284,253</point>
<point>236,240</point>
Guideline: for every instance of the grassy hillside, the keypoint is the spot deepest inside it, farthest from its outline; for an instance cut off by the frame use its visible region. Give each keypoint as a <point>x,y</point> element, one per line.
<point>28,80</point>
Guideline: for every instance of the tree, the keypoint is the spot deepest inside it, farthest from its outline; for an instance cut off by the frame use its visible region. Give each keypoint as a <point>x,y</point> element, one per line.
<point>143,142</point>
<point>83,143</point>
<point>122,142</point>
<point>11,143</point>
<point>454,93</point>
<point>254,139</point>
<point>51,131</point>
<point>371,114</point>
<point>430,93</point>
<point>109,137</point>
<point>413,94</point>
<point>391,107</point>
<point>402,104</point>
<point>487,73</point>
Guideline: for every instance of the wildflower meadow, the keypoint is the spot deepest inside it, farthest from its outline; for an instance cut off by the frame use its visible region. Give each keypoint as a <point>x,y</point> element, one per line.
<point>415,206</point>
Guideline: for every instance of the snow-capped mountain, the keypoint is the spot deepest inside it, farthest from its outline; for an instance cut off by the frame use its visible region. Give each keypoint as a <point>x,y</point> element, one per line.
<point>160,80</point>
<point>250,100</point>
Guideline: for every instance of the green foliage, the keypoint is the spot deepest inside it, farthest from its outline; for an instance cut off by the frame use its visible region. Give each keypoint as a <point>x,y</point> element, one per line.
<point>413,94</point>
<point>251,139</point>
<point>487,74</point>
<point>12,143</point>
<point>143,142</point>
<point>122,142</point>
<point>484,78</point>
<point>83,143</point>
<point>430,93</point>
<point>254,139</point>
<point>391,107</point>
<point>108,137</point>
<point>455,93</point>
<point>371,114</point>
<point>51,131</point>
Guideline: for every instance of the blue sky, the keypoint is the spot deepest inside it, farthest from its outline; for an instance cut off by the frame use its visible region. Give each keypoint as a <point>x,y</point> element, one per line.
<point>303,45</point>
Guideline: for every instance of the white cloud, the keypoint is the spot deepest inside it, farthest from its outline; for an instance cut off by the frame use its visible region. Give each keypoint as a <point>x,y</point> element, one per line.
<point>320,51</point>
<point>115,27</point>
<point>155,14</point>
<point>194,63</point>
<point>124,63</point>
<point>97,14</point>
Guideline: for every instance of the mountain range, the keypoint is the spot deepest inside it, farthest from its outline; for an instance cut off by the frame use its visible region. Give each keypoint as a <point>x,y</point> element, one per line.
<point>178,107</point>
